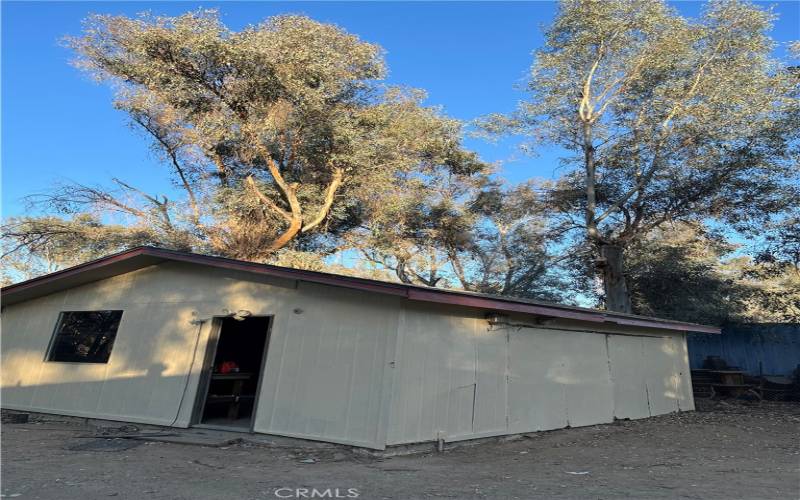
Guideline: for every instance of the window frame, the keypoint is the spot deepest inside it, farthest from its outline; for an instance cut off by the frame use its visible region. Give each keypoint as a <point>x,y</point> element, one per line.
<point>50,352</point>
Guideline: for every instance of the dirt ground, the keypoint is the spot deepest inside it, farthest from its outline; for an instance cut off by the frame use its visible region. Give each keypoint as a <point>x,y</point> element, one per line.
<point>727,450</point>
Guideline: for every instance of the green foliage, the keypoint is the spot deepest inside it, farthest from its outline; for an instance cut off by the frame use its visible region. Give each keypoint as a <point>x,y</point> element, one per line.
<point>685,273</point>
<point>287,148</point>
<point>670,119</point>
<point>279,134</point>
<point>464,232</point>
<point>38,245</point>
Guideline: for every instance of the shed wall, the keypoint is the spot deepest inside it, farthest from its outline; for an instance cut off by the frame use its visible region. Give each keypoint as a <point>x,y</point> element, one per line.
<point>320,372</point>
<point>342,365</point>
<point>455,378</point>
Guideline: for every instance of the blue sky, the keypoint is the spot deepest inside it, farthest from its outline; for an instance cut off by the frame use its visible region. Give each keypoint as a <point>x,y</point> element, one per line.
<point>58,125</point>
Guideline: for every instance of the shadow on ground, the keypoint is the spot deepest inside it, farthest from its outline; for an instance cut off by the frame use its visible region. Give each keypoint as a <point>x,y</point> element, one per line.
<point>725,450</point>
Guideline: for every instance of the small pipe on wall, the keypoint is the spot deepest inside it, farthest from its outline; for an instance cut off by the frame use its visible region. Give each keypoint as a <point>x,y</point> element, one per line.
<point>502,320</point>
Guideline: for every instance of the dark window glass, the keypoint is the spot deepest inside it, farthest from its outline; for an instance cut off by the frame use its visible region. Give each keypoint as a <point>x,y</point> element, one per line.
<point>85,336</point>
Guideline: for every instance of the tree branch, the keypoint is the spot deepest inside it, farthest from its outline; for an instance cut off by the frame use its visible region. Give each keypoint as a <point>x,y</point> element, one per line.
<point>266,201</point>
<point>330,193</point>
<point>161,206</point>
<point>289,192</point>
<point>171,151</point>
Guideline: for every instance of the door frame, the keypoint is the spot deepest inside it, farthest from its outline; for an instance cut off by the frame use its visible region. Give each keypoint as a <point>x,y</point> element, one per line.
<point>207,368</point>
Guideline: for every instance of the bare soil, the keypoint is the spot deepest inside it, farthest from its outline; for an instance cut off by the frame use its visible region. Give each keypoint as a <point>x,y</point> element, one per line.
<point>725,450</point>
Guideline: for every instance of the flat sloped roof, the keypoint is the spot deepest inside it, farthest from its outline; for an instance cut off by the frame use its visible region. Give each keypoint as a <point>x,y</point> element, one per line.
<point>140,257</point>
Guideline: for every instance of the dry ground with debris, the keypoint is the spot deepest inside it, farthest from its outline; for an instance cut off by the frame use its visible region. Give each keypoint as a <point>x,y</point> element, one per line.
<point>728,450</point>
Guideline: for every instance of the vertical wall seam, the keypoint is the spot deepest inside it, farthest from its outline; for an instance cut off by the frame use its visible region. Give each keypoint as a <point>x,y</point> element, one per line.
<point>508,380</point>
<point>397,407</point>
<point>387,378</point>
<point>449,394</point>
<point>474,398</point>
<point>374,399</point>
<point>336,363</point>
<point>474,376</point>
<point>646,382</point>
<point>293,406</point>
<point>318,330</point>
<point>351,385</point>
<point>611,380</point>
<point>421,431</point>
<point>281,357</point>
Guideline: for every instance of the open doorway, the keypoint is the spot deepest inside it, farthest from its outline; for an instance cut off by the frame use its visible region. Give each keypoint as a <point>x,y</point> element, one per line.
<point>233,378</point>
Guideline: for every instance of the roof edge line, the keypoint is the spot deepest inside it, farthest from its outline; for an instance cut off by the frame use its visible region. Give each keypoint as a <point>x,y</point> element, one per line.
<point>79,268</point>
<point>433,295</point>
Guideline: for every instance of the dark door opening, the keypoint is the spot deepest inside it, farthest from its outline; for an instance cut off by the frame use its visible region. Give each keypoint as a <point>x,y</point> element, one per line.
<point>234,376</point>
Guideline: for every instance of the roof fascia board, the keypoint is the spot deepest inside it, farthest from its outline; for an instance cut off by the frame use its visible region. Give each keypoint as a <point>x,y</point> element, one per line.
<point>439,296</point>
<point>500,305</point>
<point>294,274</point>
<point>684,327</point>
<point>72,271</point>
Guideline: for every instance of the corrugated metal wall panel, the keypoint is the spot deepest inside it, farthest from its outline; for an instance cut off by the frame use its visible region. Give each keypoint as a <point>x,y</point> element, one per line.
<point>771,349</point>
<point>23,351</point>
<point>590,396</point>
<point>659,354</point>
<point>461,362</point>
<point>558,379</point>
<point>343,365</point>
<point>650,375</point>
<point>626,358</point>
<point>686,402</point>
<point>324,389</point>
<point>525,379</point>
<point>537,393</point>
<point>325,366</point>
<point>491,377</point>
<point>434,376</point>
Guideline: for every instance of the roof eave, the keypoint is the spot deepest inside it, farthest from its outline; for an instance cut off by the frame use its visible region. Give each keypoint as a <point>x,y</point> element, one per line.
<point>145,256</point>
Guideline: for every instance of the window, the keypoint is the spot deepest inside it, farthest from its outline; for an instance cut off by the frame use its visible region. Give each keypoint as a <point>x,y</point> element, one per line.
<point>84,336</point>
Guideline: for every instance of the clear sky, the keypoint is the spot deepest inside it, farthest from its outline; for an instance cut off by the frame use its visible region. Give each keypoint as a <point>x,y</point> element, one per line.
<point>58,125</point>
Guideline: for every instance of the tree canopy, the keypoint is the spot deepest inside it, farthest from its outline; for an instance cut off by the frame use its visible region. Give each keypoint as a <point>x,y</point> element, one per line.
<point>277,133</point>
<point>669,119</point>
<point>691,273</point>
<point>283,144</point>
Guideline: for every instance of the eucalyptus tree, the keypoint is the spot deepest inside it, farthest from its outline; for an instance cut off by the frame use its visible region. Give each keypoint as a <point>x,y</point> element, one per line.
<point>33,246</point>
<point>274,135</point>
<point>688,272</point>
<point>666,119</point>
<point>466,232</point>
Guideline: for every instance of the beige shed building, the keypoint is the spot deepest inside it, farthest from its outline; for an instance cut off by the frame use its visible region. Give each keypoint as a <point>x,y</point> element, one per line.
<point>177,339</point>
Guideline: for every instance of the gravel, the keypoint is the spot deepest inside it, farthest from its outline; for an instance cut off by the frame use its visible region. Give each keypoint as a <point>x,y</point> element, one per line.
<point>725,450</point>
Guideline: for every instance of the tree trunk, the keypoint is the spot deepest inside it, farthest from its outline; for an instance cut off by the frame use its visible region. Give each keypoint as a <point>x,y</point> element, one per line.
<point>618,298</point>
